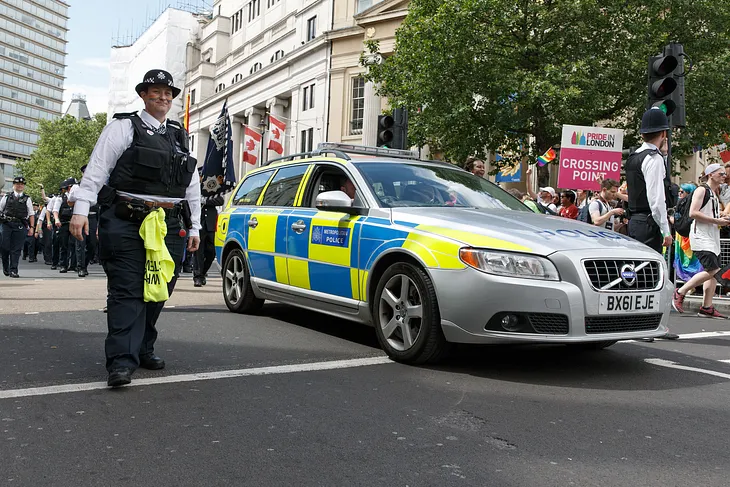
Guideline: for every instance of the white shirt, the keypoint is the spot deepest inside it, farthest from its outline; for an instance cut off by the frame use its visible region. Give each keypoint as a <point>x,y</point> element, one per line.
<point>57,201</point>
<point>28,203</point>
<point>116,137</point>
<point>654,170</point>
<point>598,208</point>
<point>706,236</point>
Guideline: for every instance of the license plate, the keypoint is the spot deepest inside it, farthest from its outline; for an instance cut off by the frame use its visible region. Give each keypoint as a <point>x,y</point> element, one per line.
<point>628,303</point>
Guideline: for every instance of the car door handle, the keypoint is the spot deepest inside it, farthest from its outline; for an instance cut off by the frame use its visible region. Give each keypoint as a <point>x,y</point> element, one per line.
<point>298,226</point>
<point>253,223</point>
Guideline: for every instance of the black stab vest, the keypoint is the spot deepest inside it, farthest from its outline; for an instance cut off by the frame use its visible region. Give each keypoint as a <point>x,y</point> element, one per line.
<point>155,164</point>
<point>16,207</point>
<point>638,200</point>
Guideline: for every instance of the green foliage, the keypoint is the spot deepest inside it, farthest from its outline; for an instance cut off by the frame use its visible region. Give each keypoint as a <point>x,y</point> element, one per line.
<point>494,74</point>
<point>64,146</point>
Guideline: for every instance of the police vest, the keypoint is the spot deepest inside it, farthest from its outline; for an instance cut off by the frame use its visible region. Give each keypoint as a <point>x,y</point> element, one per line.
<point>16,207</point>
<point>155,164</point>
<point>636,184</point>
<point>65,211</point>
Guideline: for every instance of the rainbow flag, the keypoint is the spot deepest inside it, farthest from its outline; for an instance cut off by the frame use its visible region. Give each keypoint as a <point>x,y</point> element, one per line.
<point>686,264</point>
<point>547,157</point>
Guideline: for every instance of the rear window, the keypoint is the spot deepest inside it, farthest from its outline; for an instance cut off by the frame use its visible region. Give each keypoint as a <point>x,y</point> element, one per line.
<point>250,190</point>
<point>430,185</point>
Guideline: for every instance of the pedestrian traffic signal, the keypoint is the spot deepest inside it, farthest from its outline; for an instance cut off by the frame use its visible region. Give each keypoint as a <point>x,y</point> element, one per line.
<point>666,83</point>
<point>385,130</point>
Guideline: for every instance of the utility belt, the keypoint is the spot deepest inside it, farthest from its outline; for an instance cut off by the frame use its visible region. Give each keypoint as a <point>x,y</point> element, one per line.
<point>136,210</point>
<point>10,219</point>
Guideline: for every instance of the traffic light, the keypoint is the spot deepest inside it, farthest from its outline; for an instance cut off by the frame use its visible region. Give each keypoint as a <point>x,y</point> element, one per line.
<point>666,83</point>
<point>400,129</point>
<point>385,130</point>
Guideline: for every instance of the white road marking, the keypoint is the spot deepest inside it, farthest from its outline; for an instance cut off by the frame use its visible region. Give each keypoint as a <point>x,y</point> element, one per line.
<point>725,361</point>
<point>674,365</point>
<point>704,334</point>
<point>32,312</point>
<point>223,374</point>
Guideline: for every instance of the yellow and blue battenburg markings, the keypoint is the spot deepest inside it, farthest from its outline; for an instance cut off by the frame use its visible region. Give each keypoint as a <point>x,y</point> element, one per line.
<point>335,252</point>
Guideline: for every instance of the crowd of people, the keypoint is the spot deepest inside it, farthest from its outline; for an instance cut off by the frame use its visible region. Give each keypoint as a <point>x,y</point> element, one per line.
<point>646,207</point>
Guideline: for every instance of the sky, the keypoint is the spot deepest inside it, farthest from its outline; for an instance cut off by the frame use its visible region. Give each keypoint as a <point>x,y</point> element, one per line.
<point>94,25</point>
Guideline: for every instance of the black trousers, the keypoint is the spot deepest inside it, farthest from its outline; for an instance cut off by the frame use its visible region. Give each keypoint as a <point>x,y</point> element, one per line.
<point>66,247</point>
<point>47,243</point>
<point>643,228</point>
<point>56,245</point>
<point>131,321</point>
<point>86,248</point>
<point>11,244</point>
<point>205,255</point>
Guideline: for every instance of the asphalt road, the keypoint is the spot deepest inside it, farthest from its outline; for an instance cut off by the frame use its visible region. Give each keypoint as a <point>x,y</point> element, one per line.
<point>290,397</point>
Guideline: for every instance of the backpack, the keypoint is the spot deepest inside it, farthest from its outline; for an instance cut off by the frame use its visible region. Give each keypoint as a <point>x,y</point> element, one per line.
<point>682,220</point>
<point>584,215</point>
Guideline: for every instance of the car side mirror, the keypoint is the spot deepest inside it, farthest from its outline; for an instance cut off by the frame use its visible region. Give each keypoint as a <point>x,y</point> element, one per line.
<point>337,201</point>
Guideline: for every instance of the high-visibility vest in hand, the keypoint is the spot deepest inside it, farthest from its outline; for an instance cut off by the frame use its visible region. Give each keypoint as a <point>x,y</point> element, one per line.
<point>159,266</point>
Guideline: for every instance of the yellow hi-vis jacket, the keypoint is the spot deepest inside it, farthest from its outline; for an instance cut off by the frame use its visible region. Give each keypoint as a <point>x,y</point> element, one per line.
<point>159,267</point>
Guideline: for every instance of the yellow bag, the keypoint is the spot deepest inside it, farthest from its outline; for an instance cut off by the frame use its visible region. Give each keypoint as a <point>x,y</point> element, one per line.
<point>159,267</point>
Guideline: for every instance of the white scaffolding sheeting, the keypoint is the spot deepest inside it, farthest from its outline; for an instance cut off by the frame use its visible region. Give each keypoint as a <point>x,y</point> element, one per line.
<point>162,46</point>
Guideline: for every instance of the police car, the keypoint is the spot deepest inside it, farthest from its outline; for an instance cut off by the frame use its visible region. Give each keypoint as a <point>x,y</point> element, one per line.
<point>430,255</point>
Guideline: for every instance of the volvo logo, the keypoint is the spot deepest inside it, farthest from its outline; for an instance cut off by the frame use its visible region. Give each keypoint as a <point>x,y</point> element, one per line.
<point>628,274</point>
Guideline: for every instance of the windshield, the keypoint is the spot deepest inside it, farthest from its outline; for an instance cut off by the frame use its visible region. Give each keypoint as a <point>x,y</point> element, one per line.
<point>411,184</point>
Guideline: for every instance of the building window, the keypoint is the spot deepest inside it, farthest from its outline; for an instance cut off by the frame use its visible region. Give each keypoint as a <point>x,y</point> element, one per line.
<point>237,78</point>
<point>192,97</point>
<point>192,143</point>
<point>311,28</point>
<point>308,97</point>
<point>220,87</point>
<point>307,140</point>
<point>237,21</point>
<point>271,3</point>
<point>277,55</point>
<point>254,9</point>
<point>363,5</point>
<point>358,105</point>
<point>255,67</point>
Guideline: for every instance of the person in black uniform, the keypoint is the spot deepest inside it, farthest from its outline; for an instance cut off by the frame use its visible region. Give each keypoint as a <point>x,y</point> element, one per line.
<point>16,209</point>
<point>205,254</point>
<point>86,248</point>
<point>649,186</point>
<point>141,162</point>
<point>62,214</point>
<point>30,249</point>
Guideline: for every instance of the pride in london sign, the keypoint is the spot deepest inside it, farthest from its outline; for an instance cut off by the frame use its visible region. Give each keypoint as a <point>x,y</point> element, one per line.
<point>587,154</point>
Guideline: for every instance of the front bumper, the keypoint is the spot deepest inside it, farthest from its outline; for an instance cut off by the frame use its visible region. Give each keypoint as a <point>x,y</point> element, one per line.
<point>469,299</point>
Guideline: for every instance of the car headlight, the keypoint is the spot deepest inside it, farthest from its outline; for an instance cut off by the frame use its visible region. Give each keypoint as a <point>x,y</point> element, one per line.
<point>509,264</point>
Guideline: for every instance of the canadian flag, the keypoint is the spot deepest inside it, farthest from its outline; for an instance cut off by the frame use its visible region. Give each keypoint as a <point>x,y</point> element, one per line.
<point>251,146</point>
<point>276,135</point>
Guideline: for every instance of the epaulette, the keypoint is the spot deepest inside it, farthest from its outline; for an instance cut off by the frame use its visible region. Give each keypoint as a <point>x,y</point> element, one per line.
<point>120,116</point>
<point>174,123</point>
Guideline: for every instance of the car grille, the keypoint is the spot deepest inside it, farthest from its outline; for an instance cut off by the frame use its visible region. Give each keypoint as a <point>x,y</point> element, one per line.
<point>603,272</point>
<point>618,324</point>
<point>549,324</point>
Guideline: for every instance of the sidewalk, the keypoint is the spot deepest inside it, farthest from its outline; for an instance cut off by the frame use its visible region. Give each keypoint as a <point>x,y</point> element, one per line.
<point>42,290</point>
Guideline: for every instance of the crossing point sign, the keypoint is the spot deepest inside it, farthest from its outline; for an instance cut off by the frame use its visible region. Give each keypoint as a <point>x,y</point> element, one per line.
<point>587,154</point>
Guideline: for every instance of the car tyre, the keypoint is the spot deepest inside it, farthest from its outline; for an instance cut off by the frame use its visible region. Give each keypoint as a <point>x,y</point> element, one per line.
<point>592,346</point>
<point>406,316</point>
<point>237,291</point>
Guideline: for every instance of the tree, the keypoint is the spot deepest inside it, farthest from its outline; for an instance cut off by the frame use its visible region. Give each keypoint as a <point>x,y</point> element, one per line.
<point>64,145</point>
<point>496,74</point>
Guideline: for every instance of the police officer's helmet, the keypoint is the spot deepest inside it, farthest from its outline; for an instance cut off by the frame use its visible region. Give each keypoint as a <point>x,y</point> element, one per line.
<point>19,180</point>
<point>67,183</point>
<point>654,120</point>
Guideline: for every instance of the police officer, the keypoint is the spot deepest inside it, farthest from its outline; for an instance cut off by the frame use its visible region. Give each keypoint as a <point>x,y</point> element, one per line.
<point>144,160</point>
<point>648,183</point>
<point>649,186</point>
<point>86,248</point>
<point>16,209</point>
<point>205,254</point>
<point>62,213</point>
<point>30,248</point>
